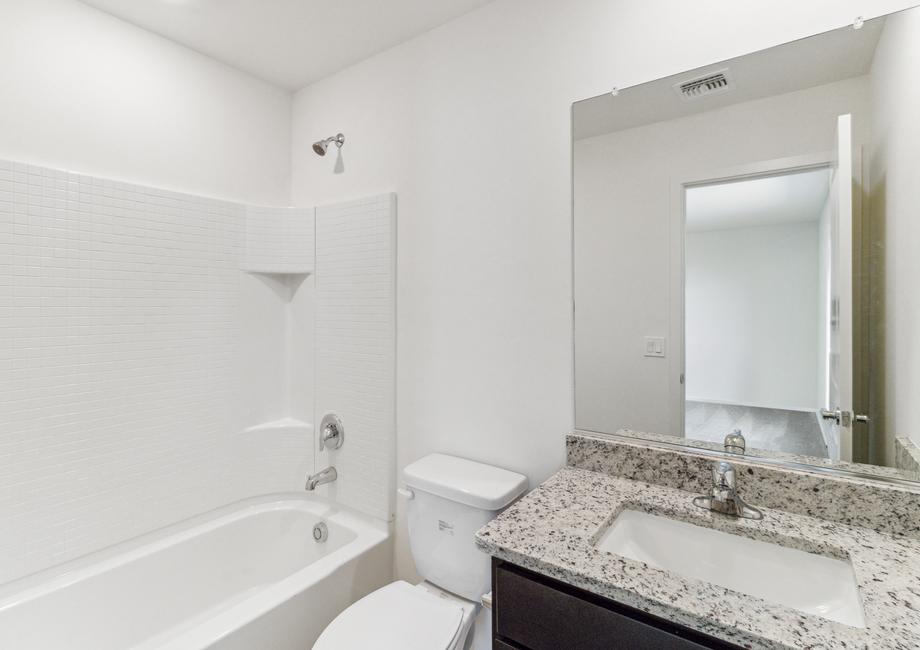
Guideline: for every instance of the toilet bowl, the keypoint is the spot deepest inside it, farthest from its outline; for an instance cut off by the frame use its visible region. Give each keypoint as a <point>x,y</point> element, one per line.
<point>450,498</point>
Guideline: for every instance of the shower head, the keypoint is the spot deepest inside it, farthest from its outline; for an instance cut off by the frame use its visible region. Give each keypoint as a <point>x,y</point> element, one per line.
<point>323,145</point>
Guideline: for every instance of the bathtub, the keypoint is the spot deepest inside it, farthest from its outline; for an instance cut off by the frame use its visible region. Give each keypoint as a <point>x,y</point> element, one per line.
<point>247,576</point>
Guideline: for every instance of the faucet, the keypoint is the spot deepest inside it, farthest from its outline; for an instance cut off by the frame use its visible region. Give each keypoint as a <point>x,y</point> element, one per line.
<point>735,443</point>
<point>327,475</point>
<point>723,497</point>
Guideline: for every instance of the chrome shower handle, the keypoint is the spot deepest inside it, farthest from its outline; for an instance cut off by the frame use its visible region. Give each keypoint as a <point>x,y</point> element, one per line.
<point>332,433</point>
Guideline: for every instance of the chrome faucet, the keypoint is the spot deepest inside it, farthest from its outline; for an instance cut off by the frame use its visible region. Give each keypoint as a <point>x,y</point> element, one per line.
<point>327,475</point>
<point>735,443</point>
<point>332,432</point>
<point>723,496</point>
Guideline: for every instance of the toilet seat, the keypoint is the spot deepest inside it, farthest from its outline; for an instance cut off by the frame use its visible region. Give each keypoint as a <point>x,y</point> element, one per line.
<point>399,616</point>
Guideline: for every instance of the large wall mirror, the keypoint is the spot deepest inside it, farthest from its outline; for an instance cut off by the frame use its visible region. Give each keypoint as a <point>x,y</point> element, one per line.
<point>747,253</point>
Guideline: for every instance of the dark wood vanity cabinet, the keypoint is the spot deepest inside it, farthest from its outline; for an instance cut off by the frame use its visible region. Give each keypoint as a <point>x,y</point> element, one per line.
<point>533,612</point>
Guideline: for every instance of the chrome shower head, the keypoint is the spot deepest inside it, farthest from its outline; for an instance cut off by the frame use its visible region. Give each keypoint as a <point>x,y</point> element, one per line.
<point>322,146</point>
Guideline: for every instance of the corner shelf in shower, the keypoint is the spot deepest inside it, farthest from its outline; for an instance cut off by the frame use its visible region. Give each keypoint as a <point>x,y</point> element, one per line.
<point>283,425</point>
<point>285,283</point>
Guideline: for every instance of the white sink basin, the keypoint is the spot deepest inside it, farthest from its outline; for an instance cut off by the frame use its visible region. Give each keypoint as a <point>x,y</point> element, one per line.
<point>810,583</point>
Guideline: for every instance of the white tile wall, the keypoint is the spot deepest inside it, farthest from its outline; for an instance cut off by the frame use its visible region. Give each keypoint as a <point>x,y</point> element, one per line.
<point>356,347</point>
<point>119,375</point>
<point>279,240</point>
<point>123,381</point>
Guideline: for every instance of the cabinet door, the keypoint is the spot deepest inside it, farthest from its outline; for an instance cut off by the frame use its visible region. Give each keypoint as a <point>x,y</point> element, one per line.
<point>537,613</point>
<point>498,644</point>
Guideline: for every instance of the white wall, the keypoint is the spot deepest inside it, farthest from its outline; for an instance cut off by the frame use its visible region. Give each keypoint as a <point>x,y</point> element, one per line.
<point>895,197</point>
<point>623,192</point>
<point>470,123</point>
<point>87,92</point>
<point>752,315</point>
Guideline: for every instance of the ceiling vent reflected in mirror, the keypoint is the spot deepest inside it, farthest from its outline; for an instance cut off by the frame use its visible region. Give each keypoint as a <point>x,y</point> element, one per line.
<point>713,83</point>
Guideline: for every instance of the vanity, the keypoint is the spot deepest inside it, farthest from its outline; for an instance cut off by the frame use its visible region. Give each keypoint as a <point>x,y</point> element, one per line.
<point>533,611</point>
<point>611,552</point>
<point>745,470</point>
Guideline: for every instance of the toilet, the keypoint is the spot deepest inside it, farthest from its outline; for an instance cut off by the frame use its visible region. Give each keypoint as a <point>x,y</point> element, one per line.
<point>450,499</point>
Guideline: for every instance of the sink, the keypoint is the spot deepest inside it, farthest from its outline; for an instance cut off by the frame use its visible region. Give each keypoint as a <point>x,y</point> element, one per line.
<point>813,584</point>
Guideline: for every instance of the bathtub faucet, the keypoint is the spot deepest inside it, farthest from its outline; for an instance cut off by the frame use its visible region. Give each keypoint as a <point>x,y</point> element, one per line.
<point>328,475</point>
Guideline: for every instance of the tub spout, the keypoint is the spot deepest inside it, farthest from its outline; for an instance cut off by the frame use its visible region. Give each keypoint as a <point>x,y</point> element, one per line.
<point>328,475</point>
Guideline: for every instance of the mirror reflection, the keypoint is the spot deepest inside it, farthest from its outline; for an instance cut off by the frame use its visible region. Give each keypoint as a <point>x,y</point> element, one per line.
<point>744,253</point>
<point>756,277</point>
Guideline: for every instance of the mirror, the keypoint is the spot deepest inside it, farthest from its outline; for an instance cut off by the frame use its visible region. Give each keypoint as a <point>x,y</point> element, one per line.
<point>746,240</point>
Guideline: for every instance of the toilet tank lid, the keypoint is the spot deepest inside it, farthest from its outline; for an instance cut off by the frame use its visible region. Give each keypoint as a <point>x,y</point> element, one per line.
<point>465,481</point>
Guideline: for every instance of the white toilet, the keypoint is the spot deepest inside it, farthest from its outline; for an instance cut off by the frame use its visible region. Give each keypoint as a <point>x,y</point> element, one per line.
<point>449,500</point>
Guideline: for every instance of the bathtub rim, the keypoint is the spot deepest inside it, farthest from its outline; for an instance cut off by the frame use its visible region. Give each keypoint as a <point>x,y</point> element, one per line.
<point>369,533</point>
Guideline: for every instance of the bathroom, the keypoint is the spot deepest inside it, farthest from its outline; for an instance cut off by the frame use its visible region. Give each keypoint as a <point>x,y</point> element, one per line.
<point>203,316</point>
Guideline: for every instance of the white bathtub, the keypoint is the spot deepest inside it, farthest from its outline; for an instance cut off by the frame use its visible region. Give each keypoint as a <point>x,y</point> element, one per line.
<point>247,576</point>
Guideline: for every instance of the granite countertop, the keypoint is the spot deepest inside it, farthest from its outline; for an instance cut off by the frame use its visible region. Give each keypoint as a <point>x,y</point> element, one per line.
<point>552,531</point>
<point>860,468</point>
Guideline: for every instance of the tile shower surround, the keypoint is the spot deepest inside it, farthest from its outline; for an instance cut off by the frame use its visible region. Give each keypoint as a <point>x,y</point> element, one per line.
<point>120,390</point>
<point>355,350</point>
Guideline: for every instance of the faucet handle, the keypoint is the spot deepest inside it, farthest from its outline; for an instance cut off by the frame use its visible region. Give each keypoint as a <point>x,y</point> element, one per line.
<point>723,497</point>
<point>332,433</point>
<point>723,475</point>
<point>735,443</point>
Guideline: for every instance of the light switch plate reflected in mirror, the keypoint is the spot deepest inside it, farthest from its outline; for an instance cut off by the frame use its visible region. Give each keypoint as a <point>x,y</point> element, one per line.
<point>654,346</point>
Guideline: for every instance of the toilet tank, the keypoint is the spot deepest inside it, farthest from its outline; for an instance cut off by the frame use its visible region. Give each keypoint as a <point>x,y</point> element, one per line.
<point>452,498</point>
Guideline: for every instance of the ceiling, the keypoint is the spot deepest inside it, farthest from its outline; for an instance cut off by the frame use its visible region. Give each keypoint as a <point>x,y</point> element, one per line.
<point>825,58</point>
<point>290,43</point>
<point>766,201</point>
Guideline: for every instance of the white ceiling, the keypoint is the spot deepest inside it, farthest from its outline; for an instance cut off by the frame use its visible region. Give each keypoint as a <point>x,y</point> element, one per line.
<point>825,58</point>
<point>755,202</point>
<point>290,43</point>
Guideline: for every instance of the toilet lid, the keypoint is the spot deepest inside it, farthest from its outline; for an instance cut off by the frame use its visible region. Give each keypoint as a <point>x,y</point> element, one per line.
<point>396,617</point>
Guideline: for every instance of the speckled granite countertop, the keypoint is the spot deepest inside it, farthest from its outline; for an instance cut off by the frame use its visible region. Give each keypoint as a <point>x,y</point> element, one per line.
<point>552,531</point>
<point>868,470</point>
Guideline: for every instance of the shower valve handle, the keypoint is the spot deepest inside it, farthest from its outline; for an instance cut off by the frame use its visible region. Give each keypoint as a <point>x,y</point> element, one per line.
<point>332,433</point>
